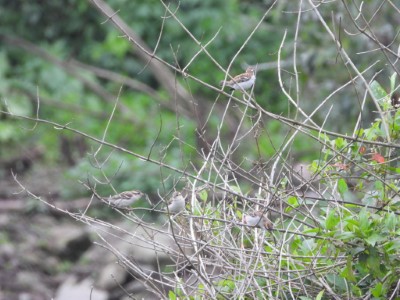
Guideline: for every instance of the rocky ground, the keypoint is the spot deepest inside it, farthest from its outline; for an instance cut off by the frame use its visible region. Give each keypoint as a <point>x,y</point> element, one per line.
<point>46,254</point>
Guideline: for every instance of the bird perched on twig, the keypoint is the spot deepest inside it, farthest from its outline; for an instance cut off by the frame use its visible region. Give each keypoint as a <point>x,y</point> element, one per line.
<point>176,203</point>
<point>124,199</point>
<point>258,219</point>
<point>243,81</point>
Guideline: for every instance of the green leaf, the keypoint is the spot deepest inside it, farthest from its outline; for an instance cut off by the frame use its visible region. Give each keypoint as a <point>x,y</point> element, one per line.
<point>347,272</point>
<point>377,290</point>
<point>227,285</point>
<point>342,187</point>
<point>308,246</point>
<point>354,222</point>
<point>374,238</point>
<point>374,262</point>
<point>337,281</point>
<point>203,195</point>
<point>380,188</point>
<point>312,231</point>
<point>391,222</point>
<point>393,245</point>
<point>378,92</point>
<point>288,209</point>
<point>356,290</point>
<point>340,143</point>
<point>293,201</point>
<point>171,295</point>
<point>345,236</point>
<point>357,250</point>
<point>331,221</point>
<point>395,170</point>
<point>324,137</point>
<point>235,188</point>
<point>364,221</point>
<point>320,294</point>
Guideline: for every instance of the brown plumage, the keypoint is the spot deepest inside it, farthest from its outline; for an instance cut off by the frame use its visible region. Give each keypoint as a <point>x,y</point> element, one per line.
<point>243,81</point>
<point>258,219</point>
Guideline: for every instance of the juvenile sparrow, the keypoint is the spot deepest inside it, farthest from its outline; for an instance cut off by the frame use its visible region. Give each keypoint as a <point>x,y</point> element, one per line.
<point>258,219</point>
<point>124,199</point>
<point>176,203</point>
<point>243,81</point>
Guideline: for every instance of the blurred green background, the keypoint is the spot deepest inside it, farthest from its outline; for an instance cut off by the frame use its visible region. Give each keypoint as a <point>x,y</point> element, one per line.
<point>44,45</point>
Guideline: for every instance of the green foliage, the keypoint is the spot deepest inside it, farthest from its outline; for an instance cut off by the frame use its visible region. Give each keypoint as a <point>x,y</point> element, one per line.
<point>293,203</point>
<point>352,243</point>
<point>66,99</point>
<point>354,248</point>
<point>342,187</point>
<point>368,236</point>
<point>172,295</point>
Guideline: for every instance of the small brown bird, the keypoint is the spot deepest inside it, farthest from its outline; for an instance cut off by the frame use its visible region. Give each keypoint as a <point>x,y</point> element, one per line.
<point>258,219</point>
<point>124,199</point>
<point>243,81</point>
<point>176,204</point>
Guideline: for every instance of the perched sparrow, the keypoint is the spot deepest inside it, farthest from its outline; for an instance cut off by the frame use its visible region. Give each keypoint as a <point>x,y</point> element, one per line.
<point>243,81</point>
<point>258,219</point>
<point>124,199</point>
<point>176,203</point>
